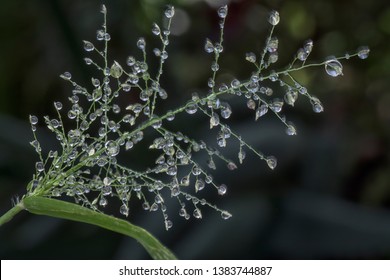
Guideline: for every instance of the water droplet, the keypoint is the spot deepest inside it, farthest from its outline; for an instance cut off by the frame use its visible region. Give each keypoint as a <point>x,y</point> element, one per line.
<point>103,201</point>
<point>66,76</point>
<point>272,45</point>
<point>175,191</point>
<point>333,67</point>
<point>116,70</point>
<point>301,54</point>
<point>276,105</point>
<point>130,61</point>
<point>145,206</point>
<point>251,104</point>
<point>100,35</point>
<point>251,57</point>
<point>291,130</point>
<point>156,29</point>
<point>222,11</point>
<point>103,9</point>
<point>290,97</point>
<point>168,224</point>
<point>88,46</point>
<point>222,189</point>
<point>197,213</point>
<point>208,46</point>
<point>317,105</point>
<point>141,44</point>
<point>33,120</point>
<point>199,184</point>
<point>226,111</point>
<point>218,48</point>
<point>40,166</point>
<point>261,111</point>
<point>172,170</point>
<point>124,210</point>
<point>231,166</point>
<point>106,190</point>
<point>225,215</point>
<point>241,155</point>
<point>112,148</point>
<point>214,120</point>
<point>169,11</point>
<point>58,105</point>
<point>363,52</point>
<point>235,83</point>
<point>88,61</point>
<point>271,162</point>
<point>214,66</point>
<point>308,46</point>
<point>191,108</point>
<point>273,57</point>
<point>274,18</point>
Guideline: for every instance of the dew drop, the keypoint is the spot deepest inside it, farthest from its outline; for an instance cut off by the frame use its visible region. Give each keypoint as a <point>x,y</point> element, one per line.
<point>222,11</point>
<point>308,46</point>
<point>333,67</point>
<point>156,29</point>
<point>363,52</point>
<point>225,215</point>
<point>214,66</point>
<point>106,190</point>
<point>276,105</point>
<point>146,206</point>
<point>141,44</point>
<point>112,148</point>
<point>301,54</point>
<point>261,111</point>
<point>168,224</point>
<point>66,76</point>
<point>116,70</point>
<point>40,166</point>
<point>199,185</point>
<point>33,120</point>
<point>169,11</point>
<point>214,120</point>
<point>274,18</point>
<point>241,155</point>
<point>197,213</point>
<point>272,45</point>
<point>103,202</point>
<point>130,61</point>
<point>208,46</point>
<point>251,57</point>
<point>88,61</point>
<point>226,111</point>
<point>191,108</point>
<point>175,191</point>
<point>222,189</point>
<point>290,97</point>
<point>124,210</point>
<point>88,46</point>
<point>58,105</point>
<point>231,166</point>
<point>291,130</point>
<point>100,35</point>
<point>271,162</point>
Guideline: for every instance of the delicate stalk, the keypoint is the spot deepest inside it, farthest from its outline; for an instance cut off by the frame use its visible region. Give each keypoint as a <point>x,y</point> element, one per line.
<point>11,213</point>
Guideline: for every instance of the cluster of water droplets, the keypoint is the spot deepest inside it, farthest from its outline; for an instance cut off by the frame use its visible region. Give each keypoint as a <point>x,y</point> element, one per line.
<point>96,128</point>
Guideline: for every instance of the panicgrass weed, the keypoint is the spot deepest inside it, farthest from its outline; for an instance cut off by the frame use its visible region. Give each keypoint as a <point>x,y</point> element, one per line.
<point>99,128</point>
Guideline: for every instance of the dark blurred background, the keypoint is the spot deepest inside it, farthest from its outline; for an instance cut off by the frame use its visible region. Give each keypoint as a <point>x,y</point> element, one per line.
<point>329,197</point>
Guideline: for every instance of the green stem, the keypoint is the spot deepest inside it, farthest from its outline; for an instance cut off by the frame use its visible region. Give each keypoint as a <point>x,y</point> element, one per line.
<point>11,213</point>
<point>70,211</point>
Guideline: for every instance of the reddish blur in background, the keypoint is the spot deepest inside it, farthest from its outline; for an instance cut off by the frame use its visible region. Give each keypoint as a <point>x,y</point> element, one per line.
<point>328,198</point>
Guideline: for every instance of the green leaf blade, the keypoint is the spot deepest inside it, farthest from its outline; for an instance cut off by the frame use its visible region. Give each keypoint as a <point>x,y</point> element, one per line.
<point>70,211</point>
